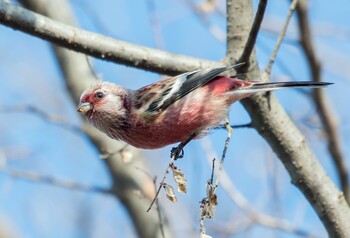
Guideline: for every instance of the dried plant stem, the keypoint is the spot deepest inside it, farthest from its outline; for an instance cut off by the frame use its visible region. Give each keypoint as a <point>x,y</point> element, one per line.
<point>223,156</point>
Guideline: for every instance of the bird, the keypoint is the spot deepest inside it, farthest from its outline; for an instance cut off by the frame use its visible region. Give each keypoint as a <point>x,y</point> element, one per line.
<point>173,110</point>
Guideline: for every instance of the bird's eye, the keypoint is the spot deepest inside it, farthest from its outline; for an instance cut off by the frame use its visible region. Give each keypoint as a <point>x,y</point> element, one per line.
<point>99,95</point>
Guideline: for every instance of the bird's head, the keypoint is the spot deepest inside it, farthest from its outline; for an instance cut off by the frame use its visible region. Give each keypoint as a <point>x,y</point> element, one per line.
<point>102,99</point>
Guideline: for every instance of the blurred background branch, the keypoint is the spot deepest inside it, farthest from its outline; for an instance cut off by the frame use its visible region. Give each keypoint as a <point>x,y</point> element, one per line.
<point>321,101</point>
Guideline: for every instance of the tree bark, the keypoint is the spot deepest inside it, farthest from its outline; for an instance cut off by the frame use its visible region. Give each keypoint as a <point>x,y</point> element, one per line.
<point>275,126</point>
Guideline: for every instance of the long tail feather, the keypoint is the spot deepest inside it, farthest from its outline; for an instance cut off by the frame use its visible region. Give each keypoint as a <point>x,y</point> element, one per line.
<point>264,87</point>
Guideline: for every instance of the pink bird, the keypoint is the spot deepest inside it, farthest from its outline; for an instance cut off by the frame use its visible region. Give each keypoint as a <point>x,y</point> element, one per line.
<point>172,110</point>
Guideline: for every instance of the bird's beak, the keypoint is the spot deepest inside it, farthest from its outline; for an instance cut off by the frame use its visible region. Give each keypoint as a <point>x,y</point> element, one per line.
<point>84,107</point>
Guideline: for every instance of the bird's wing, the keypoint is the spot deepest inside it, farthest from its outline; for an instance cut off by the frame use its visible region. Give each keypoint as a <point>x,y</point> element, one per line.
<point>182,85</point>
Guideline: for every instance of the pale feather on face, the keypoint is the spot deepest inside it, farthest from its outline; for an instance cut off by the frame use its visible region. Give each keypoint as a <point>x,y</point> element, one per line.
<point>106,100</point>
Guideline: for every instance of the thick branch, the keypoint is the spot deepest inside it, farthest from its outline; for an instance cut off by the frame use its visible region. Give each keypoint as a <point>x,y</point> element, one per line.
<point>94,44</point>
<point>289,144</point>
<point>321,102</point>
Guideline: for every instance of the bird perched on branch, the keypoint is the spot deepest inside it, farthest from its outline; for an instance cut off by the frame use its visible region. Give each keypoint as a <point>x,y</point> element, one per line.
<point>172,110</point>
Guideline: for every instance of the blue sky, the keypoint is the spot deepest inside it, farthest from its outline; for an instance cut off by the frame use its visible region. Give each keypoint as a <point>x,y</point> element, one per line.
<point>30,76</point>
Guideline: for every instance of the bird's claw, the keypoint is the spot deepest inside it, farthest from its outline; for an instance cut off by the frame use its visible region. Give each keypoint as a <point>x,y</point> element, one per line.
<point>177,153</point>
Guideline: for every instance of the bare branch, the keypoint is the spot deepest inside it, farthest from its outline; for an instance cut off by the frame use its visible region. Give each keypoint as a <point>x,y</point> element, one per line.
<point>162,182</point>
<point>176,153</point>
<point>209,203</point>
<point>36,177</point>
<point>241,126</point>
<point>253,34</point>
<point>280,37</point>
<point>94,44</point>
<point>272,122</point>
<point>223,156</point>
<point>321,102</point>
<point>238,28</point>
<point>55,119</point>
<point>237,197</point>
<point>158,211</point>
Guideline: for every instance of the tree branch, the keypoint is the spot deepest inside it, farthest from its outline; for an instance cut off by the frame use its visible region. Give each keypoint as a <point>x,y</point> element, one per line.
<point>36,177</point>
<point>320,100</point>
<point>253,34</point>
<point>55,119</point>
<point>94,44</point>
<point>253,214</point>
<point>272,122</point>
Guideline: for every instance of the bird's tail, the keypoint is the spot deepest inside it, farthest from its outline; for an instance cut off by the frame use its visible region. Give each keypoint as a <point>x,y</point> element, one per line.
<point>264,87</point>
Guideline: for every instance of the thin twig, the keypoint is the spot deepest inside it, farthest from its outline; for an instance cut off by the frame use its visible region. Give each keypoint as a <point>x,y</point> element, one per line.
<point>54,119</point>
<point>249,46</point>
<point>158,210</point>
<point>213,29</point>
<point>247,125</point>
<point>36,177</point>
<point>281,37</point>
<point>93,73</point>
<point>254,215</point>
<point>162,182</point>
<point>321,102</point>
<point>209,203</point>
<point>176,153</point>
<point>156,28</point>
<point>229,133</point>
<point>212,172</point>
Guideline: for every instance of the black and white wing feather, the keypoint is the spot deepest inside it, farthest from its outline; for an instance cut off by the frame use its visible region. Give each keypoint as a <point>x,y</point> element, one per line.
<point>184,84</point>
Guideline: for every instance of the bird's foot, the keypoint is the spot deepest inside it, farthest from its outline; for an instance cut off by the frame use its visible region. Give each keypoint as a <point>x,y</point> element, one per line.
<point>177,152</point>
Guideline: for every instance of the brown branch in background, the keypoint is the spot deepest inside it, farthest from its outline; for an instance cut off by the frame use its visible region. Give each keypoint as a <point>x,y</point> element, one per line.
<point>320,99</point>
<point>253,34</point>
<point>54,119</point>
<point>40,178</point>
<point>280,38</point>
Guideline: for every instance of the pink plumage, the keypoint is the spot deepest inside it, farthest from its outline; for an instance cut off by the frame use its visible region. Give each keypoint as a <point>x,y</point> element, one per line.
<point>170,110</point>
